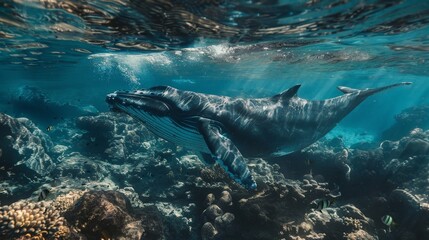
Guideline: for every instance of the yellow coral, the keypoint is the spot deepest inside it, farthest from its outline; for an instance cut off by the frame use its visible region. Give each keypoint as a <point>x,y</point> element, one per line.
<point>355,223</point>
<point>64,202</point>
<point>359,235</point>
<point>37,220</point>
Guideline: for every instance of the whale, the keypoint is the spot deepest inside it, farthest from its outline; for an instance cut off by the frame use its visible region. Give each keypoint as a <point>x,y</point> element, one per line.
<point>228,130</point>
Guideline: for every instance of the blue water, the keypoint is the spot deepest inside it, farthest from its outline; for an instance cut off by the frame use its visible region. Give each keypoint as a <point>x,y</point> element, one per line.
<point>209,70</point>
<point>75,52</point>
<point>382,44</point>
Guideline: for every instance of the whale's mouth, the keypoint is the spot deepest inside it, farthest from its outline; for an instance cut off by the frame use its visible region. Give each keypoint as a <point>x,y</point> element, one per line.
<point>124,101</point>
<point>159,117</point>
<point>112,101</point>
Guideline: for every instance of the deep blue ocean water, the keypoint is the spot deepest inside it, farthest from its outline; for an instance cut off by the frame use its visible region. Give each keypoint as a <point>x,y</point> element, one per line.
<point>76,52</point>
<point>72,55</point>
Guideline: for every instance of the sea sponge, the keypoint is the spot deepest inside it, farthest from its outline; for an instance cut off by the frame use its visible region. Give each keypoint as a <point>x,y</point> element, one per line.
<point>224,222</point>
<point>225,199</point>
<point>212,212</point>
<point>208,231</point>
<point>218,223</point>
<point>210,199</point>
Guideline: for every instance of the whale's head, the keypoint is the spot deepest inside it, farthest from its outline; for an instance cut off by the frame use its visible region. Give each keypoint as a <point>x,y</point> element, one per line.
<point>158,101</point>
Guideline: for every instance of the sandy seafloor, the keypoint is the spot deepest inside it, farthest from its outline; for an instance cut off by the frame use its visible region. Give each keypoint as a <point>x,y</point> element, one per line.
<point>105,176</point>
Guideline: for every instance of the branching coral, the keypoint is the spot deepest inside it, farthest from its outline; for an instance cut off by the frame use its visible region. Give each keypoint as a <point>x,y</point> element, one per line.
<point>36,220</point>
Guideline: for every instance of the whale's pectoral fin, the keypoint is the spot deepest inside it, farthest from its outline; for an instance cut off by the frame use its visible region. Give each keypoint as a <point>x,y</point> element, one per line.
<point>226,153</point>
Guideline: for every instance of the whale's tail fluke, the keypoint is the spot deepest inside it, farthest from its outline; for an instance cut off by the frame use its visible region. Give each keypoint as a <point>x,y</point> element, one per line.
<point>370,91</point>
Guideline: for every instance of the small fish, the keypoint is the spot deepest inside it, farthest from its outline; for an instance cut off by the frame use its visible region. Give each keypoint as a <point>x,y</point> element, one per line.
<point>49,128</point>
<point>388,221</point>
<point>43,194</point>
<point>323,203</point>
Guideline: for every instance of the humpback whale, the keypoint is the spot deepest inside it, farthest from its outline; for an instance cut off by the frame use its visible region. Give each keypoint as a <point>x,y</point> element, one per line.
<point>232,129</point>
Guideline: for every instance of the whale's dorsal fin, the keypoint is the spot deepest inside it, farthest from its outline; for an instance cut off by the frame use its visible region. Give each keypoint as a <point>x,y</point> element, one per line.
<point>290,93</point>
<point>347,89</point>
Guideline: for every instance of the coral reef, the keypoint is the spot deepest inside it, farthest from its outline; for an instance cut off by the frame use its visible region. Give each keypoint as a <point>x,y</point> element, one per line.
<point>411,216</point>
<point>217,223</point>
<point>276,212</point>
<point>22,143</point>
<point>24,158</point>
<point>115,136</point>
<point>78,166</point>
<point>37,219</point>
<point>348,220</point>
<point>32,102</point>
<point>104,214</point>
<point>389,179</point>
<point>109,177</point>
<point>406,121</point>
<point>80,215</point>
